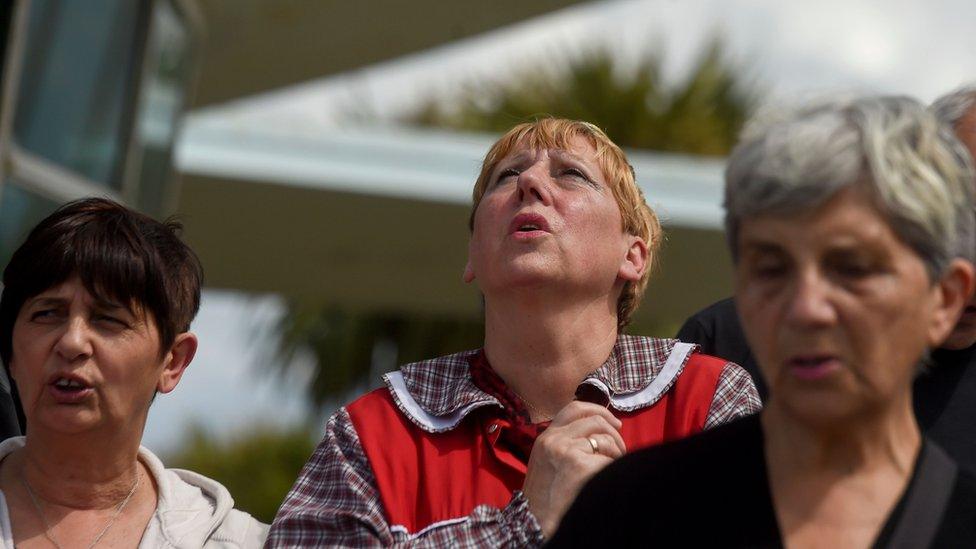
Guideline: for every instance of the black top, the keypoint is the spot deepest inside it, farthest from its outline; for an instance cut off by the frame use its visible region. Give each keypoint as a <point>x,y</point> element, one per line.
<point>717,330</point>
<point>944,394</point>
<point>711,490</point>
<point>945,403</point>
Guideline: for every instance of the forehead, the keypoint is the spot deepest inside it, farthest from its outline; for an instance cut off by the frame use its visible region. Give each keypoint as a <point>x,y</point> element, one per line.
<point>74,289</point>
<point>573,146</point>
<point>847,219</point>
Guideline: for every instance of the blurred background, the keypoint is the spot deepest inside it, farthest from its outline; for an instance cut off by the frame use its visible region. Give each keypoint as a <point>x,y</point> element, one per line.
<point>321,156</point>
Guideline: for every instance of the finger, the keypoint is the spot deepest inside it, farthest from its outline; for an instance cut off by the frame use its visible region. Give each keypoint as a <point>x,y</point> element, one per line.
<point>604,445</point>
<point>576,434</point>
<point>578,409</point>
<point>584,427</point>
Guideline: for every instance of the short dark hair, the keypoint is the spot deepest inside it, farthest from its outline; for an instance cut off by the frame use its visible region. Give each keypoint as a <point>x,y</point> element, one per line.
<point>118,254</point>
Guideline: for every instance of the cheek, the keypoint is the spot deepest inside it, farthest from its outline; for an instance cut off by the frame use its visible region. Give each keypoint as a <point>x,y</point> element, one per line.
<point>487,218</point>
<point>759,324</point>
<point>761,316</point>
<point>23,358</point>
<point>887,339</point>
<point>594,221</point>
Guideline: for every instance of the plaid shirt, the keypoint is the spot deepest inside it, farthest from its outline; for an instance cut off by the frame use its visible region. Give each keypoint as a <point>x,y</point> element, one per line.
<point>336,502</point>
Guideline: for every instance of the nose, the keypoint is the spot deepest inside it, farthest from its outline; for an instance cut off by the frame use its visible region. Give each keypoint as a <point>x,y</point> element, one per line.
<point>75,341</point>
<point>809,303</point>
<point>533,184</point>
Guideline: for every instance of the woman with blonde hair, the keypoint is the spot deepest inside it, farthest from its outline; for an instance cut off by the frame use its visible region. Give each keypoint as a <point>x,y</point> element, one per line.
<point>488,447</point>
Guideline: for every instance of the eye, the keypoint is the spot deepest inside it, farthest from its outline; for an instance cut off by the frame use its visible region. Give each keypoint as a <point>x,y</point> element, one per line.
<point>769,268</point>
<point>506,173</point>
<point>855,266</point>
<point>769,271</point>
<point>578,177</point>
<point>43,314</point>
<point>853,270</point>
<point>111,320</point>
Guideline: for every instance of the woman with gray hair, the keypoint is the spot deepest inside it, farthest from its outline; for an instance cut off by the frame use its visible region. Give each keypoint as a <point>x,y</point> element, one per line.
<point>958,110</point>
<point>844,221</point>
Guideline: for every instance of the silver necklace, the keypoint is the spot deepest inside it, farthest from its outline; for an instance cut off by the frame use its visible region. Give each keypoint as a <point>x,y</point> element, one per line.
<point>49,532</point>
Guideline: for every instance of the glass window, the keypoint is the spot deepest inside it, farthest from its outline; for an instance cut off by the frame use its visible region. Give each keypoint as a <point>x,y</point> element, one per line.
<point>20,210</point>
<point>77,84</point>
<point>161,101</point>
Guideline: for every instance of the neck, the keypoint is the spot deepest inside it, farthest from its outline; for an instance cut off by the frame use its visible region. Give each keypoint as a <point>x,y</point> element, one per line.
<point>76,472</point>
<point>543,351</point>
<point>886,439</point>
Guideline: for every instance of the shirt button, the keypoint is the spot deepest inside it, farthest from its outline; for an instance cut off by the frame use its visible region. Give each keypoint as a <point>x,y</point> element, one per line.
<point>492,428</point>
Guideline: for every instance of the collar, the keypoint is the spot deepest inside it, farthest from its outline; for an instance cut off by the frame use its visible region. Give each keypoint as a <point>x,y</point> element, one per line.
<point>437,394</point>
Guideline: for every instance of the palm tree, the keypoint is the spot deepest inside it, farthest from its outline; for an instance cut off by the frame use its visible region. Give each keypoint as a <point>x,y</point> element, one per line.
<point>352,349</point>
<point>700,115</point>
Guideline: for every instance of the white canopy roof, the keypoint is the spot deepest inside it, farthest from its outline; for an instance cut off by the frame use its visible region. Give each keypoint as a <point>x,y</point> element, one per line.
<point>244,143</point>
<point>276,199</point>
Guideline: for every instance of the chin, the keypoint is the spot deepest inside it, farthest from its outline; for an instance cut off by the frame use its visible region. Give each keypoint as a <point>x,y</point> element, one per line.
<point>821,407</point>
<point>67,422</point>
<point>823,418</point>
<point>526,276</point>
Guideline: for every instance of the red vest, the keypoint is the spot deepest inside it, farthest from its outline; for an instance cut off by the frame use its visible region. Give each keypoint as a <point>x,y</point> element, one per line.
<point>425,478</point>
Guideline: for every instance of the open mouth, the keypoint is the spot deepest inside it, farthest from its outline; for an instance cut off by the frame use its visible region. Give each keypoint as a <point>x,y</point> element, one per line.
<point>69,390</point>
<point>69,385</point>
<point>528,223</point>
<point>814,366</point>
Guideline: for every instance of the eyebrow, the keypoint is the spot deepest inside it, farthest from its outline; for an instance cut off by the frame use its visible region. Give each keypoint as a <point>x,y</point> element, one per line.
<point>46,300</point>
<point>592,170</point>
<point>103,304</point>
<point>566,153</point>
<point>758,246</point>
<point>520,157</point>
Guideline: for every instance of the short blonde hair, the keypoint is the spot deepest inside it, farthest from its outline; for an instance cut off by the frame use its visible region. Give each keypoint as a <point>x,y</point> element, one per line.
<point>638,218</point>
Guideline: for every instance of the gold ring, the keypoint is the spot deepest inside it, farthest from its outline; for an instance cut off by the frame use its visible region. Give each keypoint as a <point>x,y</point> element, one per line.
<point>594,444</point>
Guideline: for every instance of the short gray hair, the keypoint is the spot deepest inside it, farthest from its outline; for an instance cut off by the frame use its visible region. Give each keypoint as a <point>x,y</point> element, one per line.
<point>951,108</point>
<point>920,174</point>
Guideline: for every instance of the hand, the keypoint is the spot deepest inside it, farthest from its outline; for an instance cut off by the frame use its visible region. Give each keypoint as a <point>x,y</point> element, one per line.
<point>563,459</point>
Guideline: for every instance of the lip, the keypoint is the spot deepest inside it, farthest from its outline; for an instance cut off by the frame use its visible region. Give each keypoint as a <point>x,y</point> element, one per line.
<point>528,218</point>
<point>813,367</point>
<point>72,396</point>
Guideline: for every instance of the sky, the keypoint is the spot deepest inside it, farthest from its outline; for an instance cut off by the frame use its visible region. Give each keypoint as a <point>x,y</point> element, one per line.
<point>791,49</point>
<point>232,385</point>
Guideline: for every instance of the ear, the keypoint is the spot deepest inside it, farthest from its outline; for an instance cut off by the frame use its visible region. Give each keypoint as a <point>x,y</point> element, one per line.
<point>12,369</point>
<point>177,359</point>
<point>468,275</point>
<point>635,261</point>
<point>952,293</point>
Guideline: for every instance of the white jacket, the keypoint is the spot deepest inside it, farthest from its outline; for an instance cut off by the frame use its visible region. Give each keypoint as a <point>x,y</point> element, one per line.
<point>192,511</point>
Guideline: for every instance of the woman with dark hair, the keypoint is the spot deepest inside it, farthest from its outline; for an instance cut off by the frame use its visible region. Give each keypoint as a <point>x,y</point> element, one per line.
<point>94,321</point>
<point>845,223</point>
